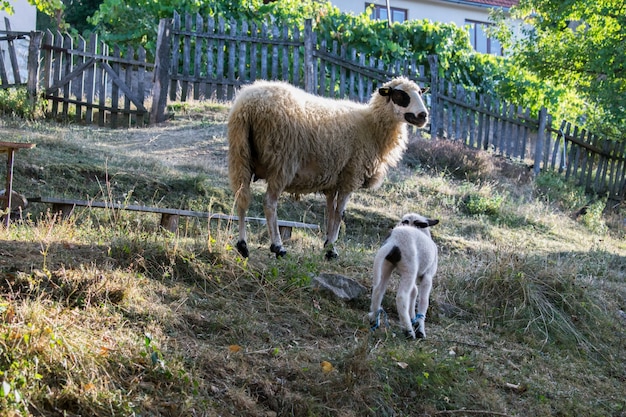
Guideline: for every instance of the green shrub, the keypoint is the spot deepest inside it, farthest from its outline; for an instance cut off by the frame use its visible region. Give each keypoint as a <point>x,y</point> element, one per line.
<point>15,102</point>
<point>553,188</point>
<point>476,204</point>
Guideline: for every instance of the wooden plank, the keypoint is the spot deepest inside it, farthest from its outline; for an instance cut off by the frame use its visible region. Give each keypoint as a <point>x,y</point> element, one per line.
<point>243,57</point>
<point>101,76</point>
<point>210,89</point>
<point>197,59</point>
<point>15,66</point>
<point>285,55</point>
<point>160,210</point>
<point>33,66</point>
<point>78,61</point>
<point>184,88</point>
<point>56,72</point>
<point>221,45</point>
<point>173,69</point>
<point>128,80</point>
<point>67,68</point>
<point>90,78</point>
<point>142,117</point>
<point>275,36</point>
<point>115,90</point>
<point>119,83</point>
<point>296,59</point>
<point>232,62</point>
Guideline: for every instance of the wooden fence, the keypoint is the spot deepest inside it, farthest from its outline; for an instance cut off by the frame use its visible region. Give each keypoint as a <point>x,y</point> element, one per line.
<point>206,58</point>
<point>212,59</point>
<point>596,162</point>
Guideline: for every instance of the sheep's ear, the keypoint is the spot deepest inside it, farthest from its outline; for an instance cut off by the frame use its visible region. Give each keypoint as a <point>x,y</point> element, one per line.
<point>384,91</point>
<point>432,222</point>
<point>405,222</point>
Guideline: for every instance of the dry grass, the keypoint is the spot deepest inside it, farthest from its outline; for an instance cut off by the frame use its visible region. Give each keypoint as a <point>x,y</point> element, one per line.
<point>102,314</point>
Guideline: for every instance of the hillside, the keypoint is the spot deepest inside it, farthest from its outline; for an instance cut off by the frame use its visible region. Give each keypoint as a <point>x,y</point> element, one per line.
<point>103,314</point>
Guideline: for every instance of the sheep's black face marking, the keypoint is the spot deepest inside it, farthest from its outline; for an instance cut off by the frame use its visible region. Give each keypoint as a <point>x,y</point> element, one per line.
<point>419,120</point>
<point>394,256</point>
<point>421,224</point>
<point>399,97</point>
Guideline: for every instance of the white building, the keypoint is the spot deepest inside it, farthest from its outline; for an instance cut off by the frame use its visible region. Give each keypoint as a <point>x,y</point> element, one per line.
<point>23,19</point>
<point>473,14</point>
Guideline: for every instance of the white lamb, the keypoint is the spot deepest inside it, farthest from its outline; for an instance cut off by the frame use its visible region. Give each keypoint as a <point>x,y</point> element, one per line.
<point>301,143</point>
<point>411,250</point>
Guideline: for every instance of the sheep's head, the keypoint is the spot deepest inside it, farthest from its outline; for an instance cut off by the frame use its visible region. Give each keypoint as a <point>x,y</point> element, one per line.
<point>407,97</point>
<point>421,222</point>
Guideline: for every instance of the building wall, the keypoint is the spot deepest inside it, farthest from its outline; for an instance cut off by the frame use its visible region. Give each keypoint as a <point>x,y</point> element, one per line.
<point>23,19</point>
<point>437,11</point>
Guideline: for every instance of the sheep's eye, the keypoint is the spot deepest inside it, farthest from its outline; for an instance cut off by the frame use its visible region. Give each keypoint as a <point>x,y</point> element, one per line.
<point>405,222</point>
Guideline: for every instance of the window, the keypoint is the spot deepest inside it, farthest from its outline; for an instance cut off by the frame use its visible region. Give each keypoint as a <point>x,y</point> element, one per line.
<point>480,39</point>
<point>380,13</point>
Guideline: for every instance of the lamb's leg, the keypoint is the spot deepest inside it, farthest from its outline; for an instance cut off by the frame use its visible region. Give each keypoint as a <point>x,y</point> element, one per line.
<point>382,272</point>
<point>270,206</point>
<point>425,287</point>
<point>335,206</point>
<point>403,301</point>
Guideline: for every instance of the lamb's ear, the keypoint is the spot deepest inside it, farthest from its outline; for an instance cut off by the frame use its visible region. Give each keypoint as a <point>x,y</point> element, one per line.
<point>405,222</point>
<point>420,224</point>
<point>432,222</point>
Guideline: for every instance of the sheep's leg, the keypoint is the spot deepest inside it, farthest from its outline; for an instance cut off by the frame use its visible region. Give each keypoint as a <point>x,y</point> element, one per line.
<point>270,206</point>
<point>242,246</point>
<point>419,325</point>
<point>335,206</point>
<point>403,302</point>
<point>382,272</point>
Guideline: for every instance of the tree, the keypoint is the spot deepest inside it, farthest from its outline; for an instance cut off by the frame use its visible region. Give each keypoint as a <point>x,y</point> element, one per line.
<point>580,45</point>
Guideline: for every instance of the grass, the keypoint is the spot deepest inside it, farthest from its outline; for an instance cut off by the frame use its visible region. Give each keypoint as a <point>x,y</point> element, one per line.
<point>103,314</point>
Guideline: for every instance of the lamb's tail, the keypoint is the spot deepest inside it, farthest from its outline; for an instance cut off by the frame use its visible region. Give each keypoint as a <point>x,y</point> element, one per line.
<point>240,159</point>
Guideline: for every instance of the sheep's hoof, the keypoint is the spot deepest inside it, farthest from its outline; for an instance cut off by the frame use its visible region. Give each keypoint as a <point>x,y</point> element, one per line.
<point>420,335</point>
<point>278,250</point>
<point>242,247</point>
<point>331,254</point>
<point>409,334</point>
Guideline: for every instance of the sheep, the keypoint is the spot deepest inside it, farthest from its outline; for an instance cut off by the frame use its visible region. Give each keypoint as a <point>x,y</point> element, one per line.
<point>301,143</point>
<point>410,250</point>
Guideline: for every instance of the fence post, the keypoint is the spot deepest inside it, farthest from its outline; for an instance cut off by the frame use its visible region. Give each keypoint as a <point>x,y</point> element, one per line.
<point>161,72</point>
<point>309,44</point>
<point>542,133</point>
<point>433,61</point>
<point>33,67</point>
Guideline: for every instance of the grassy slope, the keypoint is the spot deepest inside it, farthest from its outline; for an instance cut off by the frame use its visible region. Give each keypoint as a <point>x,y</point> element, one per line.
<point>104,315</point>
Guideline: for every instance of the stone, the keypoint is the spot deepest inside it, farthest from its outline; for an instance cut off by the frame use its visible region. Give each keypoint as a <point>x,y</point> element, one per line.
<point>342,287</point>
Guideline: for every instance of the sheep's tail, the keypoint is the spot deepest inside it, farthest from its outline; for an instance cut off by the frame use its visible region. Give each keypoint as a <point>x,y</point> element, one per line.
<point>240,160</point>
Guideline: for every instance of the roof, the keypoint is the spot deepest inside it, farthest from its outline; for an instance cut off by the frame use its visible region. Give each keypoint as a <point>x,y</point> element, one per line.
<point>500,3</point>
<point>488,3</point>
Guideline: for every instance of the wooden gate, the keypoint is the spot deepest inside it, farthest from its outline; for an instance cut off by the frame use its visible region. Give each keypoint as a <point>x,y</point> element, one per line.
<point>85,81</point>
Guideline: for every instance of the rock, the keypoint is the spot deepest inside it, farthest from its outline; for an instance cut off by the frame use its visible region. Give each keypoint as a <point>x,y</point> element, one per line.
<point>342,287</point>
<point>17,200</point>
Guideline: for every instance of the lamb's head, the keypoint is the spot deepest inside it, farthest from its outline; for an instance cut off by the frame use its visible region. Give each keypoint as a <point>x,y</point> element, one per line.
<point>421,222</point>
<point>407,100</point>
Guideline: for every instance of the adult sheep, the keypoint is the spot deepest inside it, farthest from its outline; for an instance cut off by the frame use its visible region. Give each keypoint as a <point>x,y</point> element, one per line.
<point>301,143</point>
